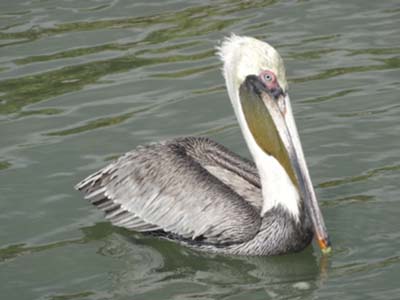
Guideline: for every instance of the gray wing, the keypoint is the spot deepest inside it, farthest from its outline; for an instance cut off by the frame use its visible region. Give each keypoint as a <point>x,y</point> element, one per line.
<point>174,187</point>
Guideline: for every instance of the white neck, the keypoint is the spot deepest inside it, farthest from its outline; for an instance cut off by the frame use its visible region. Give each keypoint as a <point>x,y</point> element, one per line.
<point>243,56</point>
<point>277,187</point>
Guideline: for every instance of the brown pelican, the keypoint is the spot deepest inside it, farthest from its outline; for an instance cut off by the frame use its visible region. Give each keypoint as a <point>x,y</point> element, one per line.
<point>200,194</point>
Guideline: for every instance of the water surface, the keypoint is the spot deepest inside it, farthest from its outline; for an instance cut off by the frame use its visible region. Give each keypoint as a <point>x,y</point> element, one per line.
<point>82,82</point>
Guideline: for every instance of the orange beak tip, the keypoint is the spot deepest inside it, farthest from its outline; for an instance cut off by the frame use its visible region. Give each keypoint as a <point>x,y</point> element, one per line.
<point>325,245</point>
<point>326,250</point>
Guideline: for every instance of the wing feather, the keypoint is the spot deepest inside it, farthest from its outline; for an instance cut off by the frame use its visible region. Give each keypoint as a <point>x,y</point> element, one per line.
<point>166,186</point>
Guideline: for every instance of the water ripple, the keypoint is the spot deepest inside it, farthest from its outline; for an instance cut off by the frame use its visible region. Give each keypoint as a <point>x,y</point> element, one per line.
<point>387,64</point>
<point>23,91</point>
<point>366,176</point>
<point>84,81</point>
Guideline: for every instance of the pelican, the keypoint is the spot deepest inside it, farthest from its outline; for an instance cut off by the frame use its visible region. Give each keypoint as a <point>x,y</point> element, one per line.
<point>200,194</point>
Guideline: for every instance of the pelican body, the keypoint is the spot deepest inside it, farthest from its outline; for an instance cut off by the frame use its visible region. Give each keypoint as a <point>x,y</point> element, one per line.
<point>197,192</point>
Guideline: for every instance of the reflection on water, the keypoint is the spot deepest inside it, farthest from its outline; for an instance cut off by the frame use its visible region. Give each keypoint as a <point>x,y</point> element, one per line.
<point>151,266</point>
<point>82,82</point>
<point>203,275</point>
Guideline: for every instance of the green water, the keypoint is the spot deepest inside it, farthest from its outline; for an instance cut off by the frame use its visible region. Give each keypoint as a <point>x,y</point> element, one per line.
<point>82,82</point>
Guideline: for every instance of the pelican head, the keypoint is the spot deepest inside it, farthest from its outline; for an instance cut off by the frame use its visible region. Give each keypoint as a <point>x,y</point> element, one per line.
<point>256,82</point>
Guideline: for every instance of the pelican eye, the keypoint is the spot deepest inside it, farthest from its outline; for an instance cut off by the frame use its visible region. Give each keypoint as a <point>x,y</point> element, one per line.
<point>268,77</point>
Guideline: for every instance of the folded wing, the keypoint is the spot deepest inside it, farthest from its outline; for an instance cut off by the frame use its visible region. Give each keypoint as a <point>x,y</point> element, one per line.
<point>168,186</point>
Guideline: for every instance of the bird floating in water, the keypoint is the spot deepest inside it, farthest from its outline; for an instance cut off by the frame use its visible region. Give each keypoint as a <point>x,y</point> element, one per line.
<point>200,194</point>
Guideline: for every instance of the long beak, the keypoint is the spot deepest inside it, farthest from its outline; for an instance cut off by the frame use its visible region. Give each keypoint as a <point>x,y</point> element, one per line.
<point>271,122</point>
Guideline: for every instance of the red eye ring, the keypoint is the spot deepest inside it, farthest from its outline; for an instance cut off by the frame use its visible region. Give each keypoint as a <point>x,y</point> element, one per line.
<point>268,77</point>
